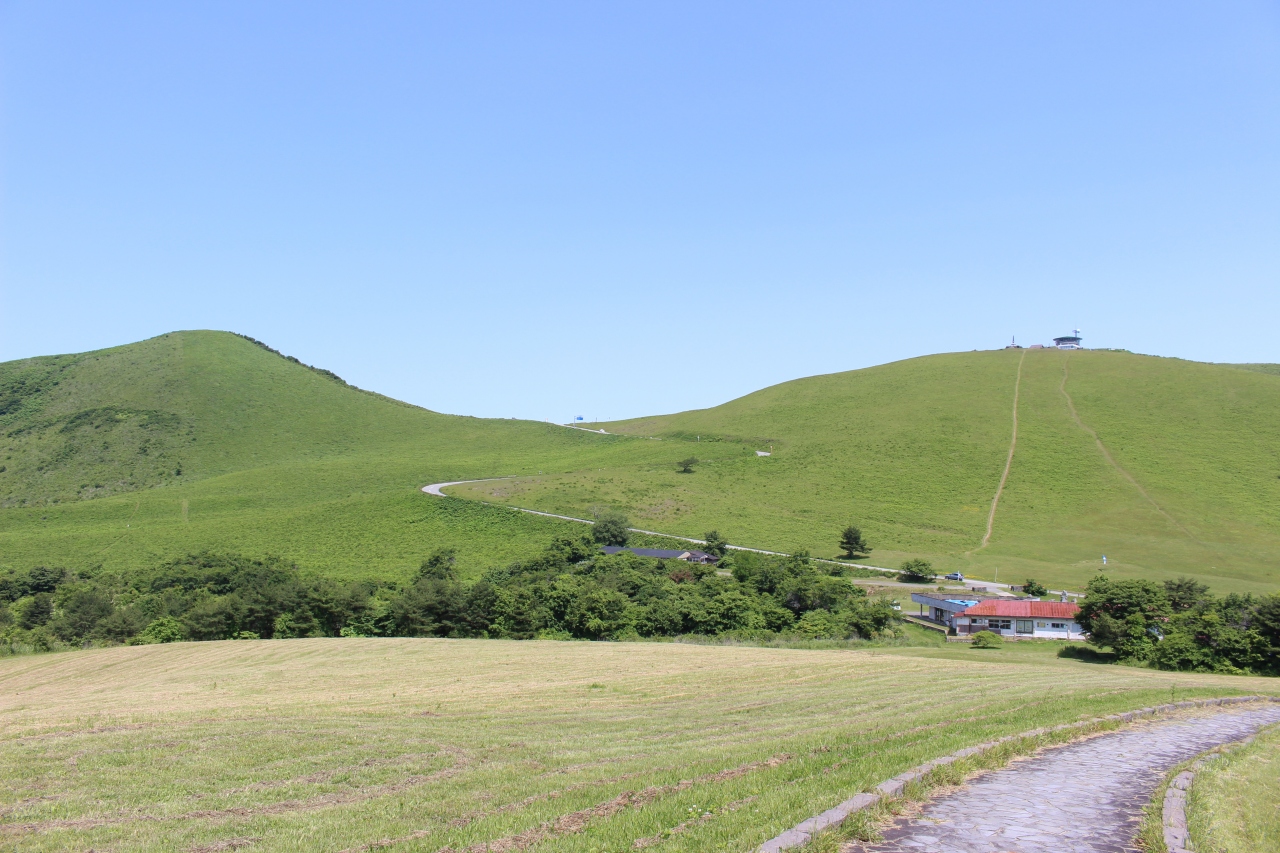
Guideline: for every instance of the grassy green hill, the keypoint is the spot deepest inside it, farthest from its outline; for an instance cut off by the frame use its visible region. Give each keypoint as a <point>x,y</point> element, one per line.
<point>1166,466</point>
<point>200,440</point>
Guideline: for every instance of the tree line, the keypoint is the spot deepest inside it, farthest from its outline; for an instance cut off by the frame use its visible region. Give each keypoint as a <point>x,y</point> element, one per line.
<point>569,591</point>
<point>1180,625</point>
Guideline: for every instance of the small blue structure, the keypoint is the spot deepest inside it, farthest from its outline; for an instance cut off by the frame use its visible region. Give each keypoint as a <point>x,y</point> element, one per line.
<point>935,608</point>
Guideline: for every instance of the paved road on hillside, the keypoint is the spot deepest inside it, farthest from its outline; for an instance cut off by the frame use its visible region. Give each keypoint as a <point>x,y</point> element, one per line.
<point>434,489</point>
<point>1086,797</point>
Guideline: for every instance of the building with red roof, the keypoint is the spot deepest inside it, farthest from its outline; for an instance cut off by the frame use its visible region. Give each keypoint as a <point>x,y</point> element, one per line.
<point>1050,620</point>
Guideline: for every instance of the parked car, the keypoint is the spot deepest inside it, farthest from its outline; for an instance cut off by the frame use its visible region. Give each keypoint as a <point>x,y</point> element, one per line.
<point>954,576</point>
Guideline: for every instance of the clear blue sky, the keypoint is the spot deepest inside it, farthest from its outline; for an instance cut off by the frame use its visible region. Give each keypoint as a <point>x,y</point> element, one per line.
<point>613,209</point>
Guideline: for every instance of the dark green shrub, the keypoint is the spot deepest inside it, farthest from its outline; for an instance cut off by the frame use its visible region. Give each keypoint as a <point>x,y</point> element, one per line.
<point>82,611</point>
<point>166,629</point>
<point>439,566</point>
<point>1185,593</point>
<point>36,612</point>
<point>987,640</point>
<point>717,545</point>
<point>611,529</point>
<point>917,571</point>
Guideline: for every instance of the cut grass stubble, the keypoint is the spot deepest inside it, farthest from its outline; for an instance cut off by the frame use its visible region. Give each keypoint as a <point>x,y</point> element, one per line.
<point>427,745</point>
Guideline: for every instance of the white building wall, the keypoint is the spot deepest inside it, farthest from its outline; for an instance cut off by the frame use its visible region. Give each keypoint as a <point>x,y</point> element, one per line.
<point>1041,628</point>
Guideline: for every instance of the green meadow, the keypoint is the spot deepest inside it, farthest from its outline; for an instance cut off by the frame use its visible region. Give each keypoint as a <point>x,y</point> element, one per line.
<point>206,440</point>
<point>428,745</point>
<point>1167,467</point>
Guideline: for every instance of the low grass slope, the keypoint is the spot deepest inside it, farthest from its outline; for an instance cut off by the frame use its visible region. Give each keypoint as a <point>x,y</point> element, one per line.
<point>197,440</point>
<point>1167,467</point>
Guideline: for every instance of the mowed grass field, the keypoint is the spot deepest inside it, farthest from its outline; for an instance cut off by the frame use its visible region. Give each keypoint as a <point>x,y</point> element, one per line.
<point>328,745</point>
<point>1234,806</point>
<point>205,440</point>
<point>1167,467</point>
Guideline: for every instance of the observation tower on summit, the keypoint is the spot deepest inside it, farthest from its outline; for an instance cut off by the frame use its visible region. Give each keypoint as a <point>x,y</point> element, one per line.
<point>1071,341</point>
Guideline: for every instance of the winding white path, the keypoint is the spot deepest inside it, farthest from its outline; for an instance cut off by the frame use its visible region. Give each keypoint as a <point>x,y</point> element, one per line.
<point>435,489</point>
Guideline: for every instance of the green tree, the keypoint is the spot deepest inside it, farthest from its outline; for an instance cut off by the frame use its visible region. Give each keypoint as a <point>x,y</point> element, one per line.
<point>1127,616</point>
<point>82,610</point>
<point>870,618</point>
<point>717,545</point>
<point>611,529</point>
<point>1266,621</point>
<point>1205,640</point>
<point>123,623</point>
<point>166,629</point>
<point>1034,588</point>
<point>853,544</point>
<point>659,619</point>
<point>439,566</point>
<point>213,618</point>
<point>917,571</point>
<point>44,579</point>
<point>294,624</point>
<point>1185,593</point>
<point>686,465</point>
<point>37,611</point>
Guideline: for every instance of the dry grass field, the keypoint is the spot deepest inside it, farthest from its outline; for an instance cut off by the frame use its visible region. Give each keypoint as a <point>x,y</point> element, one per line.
<point>438,745</point>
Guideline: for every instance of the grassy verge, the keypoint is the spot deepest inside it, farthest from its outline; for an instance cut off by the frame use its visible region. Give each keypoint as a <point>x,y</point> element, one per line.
<point>338,744</point>
<point>1234,804</point>
<point>1150,835</point>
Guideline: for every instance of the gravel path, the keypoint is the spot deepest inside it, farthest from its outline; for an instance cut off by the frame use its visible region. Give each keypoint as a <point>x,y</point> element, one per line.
<point>1085,797</point>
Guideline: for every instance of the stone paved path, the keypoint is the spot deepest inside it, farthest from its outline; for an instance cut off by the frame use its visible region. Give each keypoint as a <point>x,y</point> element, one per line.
<point>1086,797</point>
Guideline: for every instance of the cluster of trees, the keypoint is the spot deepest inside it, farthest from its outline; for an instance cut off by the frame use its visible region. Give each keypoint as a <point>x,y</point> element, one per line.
<point>1180,625</point>
<point>570,591</point>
